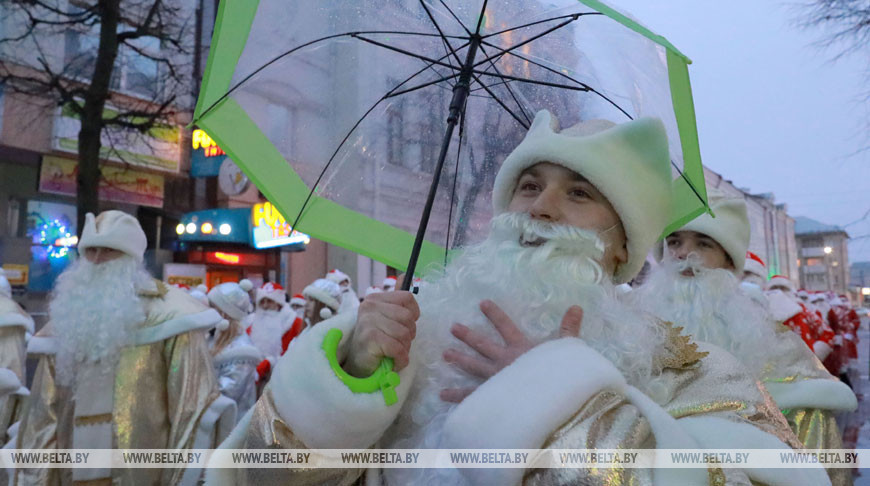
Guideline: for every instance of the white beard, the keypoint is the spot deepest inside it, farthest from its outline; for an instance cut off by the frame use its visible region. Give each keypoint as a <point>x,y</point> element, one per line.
<point>93,313</point>
<point>268,327</point>
<point>711,307</point>
<point>535,286</point>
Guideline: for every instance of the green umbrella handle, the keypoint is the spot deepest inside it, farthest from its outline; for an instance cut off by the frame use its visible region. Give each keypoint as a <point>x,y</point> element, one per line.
<point>384,378</point>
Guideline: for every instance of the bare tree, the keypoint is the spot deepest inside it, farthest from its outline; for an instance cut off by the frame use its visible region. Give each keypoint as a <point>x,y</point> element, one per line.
<point>78,53</point>
<point>845,23</point>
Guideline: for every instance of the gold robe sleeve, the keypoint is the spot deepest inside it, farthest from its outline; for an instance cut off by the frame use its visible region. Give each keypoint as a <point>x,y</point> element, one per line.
<point>12,357</point>
<point>39,424</point>
<point>268,431</point>
<point>191,387</point>
<point>688,386</point>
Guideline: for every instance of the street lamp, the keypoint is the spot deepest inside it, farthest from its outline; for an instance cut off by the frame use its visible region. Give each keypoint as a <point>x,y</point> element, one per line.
<point>828,250</point>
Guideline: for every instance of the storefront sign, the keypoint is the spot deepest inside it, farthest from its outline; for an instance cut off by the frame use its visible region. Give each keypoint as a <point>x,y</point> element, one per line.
<point>205,156</point>
<point>159,149</point>
<point>270,229</point>
<point>16,274</point>
<point>184,274</point>
<point>58,176</point>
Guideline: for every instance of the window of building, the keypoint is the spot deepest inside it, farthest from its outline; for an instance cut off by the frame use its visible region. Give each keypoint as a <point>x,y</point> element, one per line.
<point>813,242</point>
<point>813,261</point>
<point>136,72</point>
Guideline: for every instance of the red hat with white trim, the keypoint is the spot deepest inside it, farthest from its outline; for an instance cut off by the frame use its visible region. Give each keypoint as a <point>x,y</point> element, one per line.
<point>389,283</point>
<point>298,299</point>
<point>272,291</point>
<point>755,265</point>
<point>780,281</point>
<point>337,276</point>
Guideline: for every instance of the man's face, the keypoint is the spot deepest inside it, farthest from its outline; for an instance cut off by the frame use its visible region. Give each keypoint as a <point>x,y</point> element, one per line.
<point>312,311</point>
<point>344,285</point>
<point>296,307</point>
<point>552,193</point>
<point>99,254</point>
<point>682,243</point>
<point>269,304</point>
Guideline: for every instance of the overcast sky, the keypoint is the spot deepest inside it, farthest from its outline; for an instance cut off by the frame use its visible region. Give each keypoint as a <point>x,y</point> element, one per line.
<point>774,115</point>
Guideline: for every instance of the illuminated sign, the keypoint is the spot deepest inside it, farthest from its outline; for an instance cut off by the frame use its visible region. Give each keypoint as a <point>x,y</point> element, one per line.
<point>201,140</point>
<point>231,258</point>
<point>270,229</point>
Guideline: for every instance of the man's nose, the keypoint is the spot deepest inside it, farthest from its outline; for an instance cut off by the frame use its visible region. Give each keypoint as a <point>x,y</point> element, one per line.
<point>681,251</point>
<point>546,207</point>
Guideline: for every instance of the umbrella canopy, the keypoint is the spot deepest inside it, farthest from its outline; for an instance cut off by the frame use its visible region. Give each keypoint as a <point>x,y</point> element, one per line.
<point>338,111</point>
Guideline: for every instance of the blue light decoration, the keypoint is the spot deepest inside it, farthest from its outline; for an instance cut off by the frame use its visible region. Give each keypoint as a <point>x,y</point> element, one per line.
<point>54,235</point>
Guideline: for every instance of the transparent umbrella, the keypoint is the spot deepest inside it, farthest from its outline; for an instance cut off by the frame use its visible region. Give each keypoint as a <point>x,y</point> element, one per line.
<point>379,125</point>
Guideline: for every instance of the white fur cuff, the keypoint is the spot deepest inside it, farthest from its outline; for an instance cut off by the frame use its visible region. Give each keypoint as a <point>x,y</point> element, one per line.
<point>525,402</point>
<point>816,393</point>
<point>319,408</point>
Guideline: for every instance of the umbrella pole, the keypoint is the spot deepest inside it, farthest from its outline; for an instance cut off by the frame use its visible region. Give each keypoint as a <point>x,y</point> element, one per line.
<point>457,106</point>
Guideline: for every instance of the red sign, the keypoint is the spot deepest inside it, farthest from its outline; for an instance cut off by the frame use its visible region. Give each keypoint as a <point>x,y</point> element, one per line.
<point>232,258</point>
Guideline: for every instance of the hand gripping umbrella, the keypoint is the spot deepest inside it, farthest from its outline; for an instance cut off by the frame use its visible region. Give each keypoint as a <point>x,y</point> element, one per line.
<point>345,113</point>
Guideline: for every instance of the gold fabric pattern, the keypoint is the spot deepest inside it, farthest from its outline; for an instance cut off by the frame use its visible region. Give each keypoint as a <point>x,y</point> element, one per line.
<point>269,431</point>
<point>680,351</point>
<point>161,391</point>
<point>817,430</point>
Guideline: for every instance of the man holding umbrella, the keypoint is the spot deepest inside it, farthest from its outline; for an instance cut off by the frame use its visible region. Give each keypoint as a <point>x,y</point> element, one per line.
<point>523,343</point>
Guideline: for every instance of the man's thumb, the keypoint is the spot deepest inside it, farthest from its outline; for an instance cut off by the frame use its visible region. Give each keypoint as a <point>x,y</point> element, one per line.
<point>571,322</point>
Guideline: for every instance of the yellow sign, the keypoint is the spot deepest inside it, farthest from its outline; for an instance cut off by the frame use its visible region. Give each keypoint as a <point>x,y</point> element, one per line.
<point>16,274</point>
<point>271,229</point>
<point>183,280</point>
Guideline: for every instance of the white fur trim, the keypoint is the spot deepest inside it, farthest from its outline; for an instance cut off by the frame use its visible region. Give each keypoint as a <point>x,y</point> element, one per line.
<point>782,307</point>
<point>719,433</point>
<point>825,394</point>
<point>754,267</point>
<point>38,345</point>
<point>190,322</point>
<point>214,426</point>
<point>246,352</point>
<point>318,407</point>
<point>781,281</point>
<point>822,350</point>
<point>628,163</point>
<point>313,292</point>
<point>497,416</point>
<point>15,319</point>
<point>9,382</point>
<point>325,313</point>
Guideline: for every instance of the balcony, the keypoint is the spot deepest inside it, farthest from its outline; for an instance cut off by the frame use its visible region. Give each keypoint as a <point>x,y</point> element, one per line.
<point>813,269</point>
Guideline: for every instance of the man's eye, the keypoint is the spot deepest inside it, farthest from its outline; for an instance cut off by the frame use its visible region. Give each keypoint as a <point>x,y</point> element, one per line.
<point>579,193</point>
<point>529,186</point>
<point>705,244</point>
<point>672,243</point>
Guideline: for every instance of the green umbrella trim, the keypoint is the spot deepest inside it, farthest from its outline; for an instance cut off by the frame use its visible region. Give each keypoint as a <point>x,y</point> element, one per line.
<point>245,143</point>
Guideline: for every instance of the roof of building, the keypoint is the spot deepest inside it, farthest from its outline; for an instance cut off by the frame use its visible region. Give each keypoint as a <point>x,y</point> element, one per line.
<point>807,226</point>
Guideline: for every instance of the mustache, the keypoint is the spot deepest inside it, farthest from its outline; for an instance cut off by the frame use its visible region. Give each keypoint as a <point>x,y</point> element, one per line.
<point>556,238</point>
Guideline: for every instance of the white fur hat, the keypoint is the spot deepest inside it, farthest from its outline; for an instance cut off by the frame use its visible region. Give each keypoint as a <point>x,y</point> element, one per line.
<point>325,291</point>
<point>730,228</point>
<point>198,295</point>
<point>628,163</point>
<point>755,265</point>
<point>246,284</point>
<point>297,299</point>
<point>780,281</point>
<point>116,230</point>
<point>373,290</point>
<point>337,276</point>
<point>389,283</point>
<point>272,291</point>
<point>231,299</point>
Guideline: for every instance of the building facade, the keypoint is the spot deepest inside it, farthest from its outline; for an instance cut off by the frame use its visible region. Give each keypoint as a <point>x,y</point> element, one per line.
<point>772,230</point>
<point>823,256</point>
